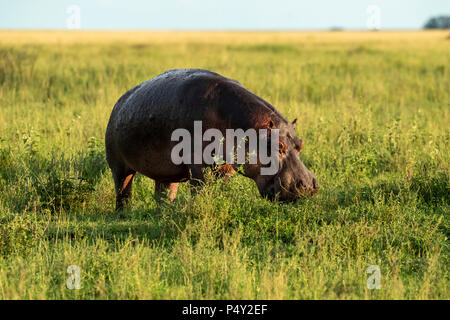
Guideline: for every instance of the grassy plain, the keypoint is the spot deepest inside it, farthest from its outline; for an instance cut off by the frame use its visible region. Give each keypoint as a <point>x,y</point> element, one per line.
<point>373,110</point>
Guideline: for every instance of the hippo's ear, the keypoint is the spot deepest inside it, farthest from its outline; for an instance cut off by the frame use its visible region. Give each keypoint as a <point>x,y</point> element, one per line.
<point>294,122</point>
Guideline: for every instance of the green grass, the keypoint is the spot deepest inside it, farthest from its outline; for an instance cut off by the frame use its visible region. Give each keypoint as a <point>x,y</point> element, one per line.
<point>373,111</point>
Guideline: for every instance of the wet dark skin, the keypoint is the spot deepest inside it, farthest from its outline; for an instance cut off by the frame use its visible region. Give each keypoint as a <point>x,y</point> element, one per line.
<point>138,136</point>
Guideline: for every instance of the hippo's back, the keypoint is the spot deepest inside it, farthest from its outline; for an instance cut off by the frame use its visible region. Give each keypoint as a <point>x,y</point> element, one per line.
<point>164,97</point>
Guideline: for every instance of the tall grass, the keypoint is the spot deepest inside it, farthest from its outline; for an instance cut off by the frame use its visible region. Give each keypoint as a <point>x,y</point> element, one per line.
<point>373,110</point>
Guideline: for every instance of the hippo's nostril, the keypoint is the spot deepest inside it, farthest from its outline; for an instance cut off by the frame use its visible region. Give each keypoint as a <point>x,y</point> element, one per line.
<point>314,183</point>
<point>299,185</point>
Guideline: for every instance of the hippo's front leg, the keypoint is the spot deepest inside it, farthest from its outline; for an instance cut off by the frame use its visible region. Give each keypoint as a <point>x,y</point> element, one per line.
<point>161,189</point>
<point>196,176</point>
<point>226,171</point>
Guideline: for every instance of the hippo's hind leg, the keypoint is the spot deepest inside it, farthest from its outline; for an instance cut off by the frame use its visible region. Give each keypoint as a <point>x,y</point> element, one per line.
<point>161,189</point>
<point>123,180</point>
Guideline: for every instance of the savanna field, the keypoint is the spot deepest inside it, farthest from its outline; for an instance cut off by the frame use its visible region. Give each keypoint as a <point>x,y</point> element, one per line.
<point>372,108</point>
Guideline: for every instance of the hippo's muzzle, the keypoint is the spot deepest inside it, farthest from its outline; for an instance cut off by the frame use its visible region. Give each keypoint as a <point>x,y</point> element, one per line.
<point>287,187</point>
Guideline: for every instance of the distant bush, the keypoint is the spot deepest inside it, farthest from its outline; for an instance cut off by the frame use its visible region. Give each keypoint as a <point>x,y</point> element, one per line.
<point>441,22</point>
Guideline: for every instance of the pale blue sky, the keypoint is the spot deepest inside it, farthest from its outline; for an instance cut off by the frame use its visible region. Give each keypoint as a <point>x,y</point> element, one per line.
<point>215,14</point>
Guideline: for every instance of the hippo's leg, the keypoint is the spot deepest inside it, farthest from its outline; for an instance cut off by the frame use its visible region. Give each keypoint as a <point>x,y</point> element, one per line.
<point>123,180</point>
<point>196,177</point>
<point>161,189</point>
<point>226,171</point>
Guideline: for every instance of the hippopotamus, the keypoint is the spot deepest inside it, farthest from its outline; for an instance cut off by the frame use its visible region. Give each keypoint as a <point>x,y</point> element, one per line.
<point>138,135</point>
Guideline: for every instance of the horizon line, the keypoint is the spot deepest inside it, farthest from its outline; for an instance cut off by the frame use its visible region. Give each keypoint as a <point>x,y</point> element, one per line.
<point>336,29</point>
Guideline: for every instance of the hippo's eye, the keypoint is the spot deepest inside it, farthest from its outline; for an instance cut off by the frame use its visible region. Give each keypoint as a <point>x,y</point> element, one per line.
<point>299,147</point>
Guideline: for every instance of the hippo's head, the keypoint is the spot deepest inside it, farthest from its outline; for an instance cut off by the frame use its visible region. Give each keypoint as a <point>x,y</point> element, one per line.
<point>293,179</point>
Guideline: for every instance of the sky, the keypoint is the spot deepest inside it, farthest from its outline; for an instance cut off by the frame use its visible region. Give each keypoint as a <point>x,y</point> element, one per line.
<point>219,14</point>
